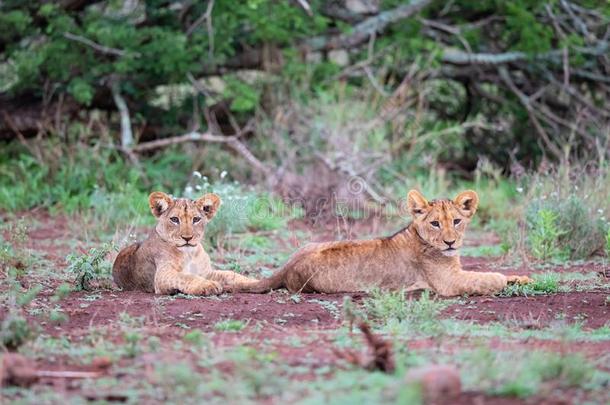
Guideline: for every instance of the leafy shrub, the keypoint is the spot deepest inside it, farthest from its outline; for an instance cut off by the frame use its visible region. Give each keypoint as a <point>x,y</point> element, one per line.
<point>242,209</point>
<point>565,213</point>
<point>544,234</point>
<point>91,270</point>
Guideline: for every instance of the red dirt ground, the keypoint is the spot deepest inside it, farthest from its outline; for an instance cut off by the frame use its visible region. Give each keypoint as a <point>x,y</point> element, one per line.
<point>590,308</point>
<point>318,313</point>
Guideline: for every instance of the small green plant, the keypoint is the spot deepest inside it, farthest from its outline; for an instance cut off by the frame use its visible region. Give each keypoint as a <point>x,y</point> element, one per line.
<point>15,330</point>
<point>230,325</point>
<point>418,314</point>
<point>91,270</point>
<point>13,253</point>
<point>608,243</point>
<point>544,283</point>
<point>544,234</point>
<point>195,337</point>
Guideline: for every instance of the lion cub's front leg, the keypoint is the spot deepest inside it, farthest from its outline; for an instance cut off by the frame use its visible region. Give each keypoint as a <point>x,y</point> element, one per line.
<point>169,280</point>
<point>520,280</point>
<point>470,282</point>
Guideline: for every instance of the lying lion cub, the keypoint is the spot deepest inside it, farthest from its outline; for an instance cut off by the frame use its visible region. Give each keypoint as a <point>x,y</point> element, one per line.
<point>172,259</point>
<point>424,255</point>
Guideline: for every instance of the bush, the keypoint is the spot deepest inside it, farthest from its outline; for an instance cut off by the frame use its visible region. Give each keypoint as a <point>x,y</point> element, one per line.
<point>544,234</point>
<point>242,209</point>
<point>565,213</point>
<point>91,270</point>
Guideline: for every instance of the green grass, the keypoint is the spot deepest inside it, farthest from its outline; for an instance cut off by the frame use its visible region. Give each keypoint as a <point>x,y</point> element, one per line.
<point>230,325</point>
<point>555,282</point>
<point>544,283</point>
<point>523,374</point>
<point>396,311</point>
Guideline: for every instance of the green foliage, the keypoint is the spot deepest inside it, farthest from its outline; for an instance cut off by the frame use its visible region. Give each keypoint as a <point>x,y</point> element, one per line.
<point>15,330</point>
<point>91,270</point>
<point>242,209</point>
<point>230,325</point>
<point>544,283</point>
<point>566,213</point>
<point>544,233</point>
<point>418,315</point>
<point>507,374</point>
<point>13,253</point>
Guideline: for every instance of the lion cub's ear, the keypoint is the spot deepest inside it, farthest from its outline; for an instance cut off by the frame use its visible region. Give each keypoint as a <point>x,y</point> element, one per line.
<point>208,204</point>
<point>467,202</point>
<point>416,203</point>
<point>159,203</point>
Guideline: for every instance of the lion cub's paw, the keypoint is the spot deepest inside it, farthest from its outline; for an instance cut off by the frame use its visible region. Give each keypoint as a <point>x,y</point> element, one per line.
<point>521,280</point>
<point>204,287</point>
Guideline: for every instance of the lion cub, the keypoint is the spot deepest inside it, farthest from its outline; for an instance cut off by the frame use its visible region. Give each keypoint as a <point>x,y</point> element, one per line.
<point>172,259</point>
<point>424,255</point>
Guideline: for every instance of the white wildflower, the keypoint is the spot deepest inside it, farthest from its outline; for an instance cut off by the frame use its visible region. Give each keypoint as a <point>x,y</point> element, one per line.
<point>188,189</point>
<point>519,189</point>
<point>198,187</point>
<point>196,174</point>
<point>600,211</point>
<point>223,174</point>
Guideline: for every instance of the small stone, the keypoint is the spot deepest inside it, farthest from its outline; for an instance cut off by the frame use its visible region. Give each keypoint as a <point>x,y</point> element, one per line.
<point>439,383</point>
<point>101,363</point>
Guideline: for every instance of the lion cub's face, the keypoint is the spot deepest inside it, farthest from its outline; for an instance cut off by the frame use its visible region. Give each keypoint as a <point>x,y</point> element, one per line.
<point>181,221</point>
<point>442,223</point>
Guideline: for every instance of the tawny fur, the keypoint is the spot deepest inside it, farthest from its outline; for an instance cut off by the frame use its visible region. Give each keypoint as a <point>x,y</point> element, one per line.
<point>424,255</point>
<point>172,259</point>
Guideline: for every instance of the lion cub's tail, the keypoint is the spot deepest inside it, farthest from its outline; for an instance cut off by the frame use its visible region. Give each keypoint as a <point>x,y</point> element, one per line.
<point>267,284</point>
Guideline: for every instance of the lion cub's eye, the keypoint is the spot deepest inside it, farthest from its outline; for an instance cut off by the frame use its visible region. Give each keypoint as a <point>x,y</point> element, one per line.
<point>457,221</point>
<point>196,219</point>
<point>435,224</point>
<point>175,220</point>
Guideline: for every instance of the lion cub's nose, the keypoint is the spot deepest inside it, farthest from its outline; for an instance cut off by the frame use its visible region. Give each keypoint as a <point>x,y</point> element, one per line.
<point>449,242</point>
<point>187,238</point>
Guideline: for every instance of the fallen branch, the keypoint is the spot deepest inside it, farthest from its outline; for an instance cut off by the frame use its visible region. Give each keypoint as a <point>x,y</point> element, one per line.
<point>457,57</point>
<point>98,47</point>
<point>232,141</point>
<point>364,30</point>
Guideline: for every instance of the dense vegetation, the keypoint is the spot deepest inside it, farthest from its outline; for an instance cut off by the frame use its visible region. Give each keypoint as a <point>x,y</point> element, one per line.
<point>524,77</point>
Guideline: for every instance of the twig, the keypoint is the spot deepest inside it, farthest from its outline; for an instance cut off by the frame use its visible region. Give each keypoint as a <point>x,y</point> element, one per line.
<point>98,47</point>
<point>67,374</point>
